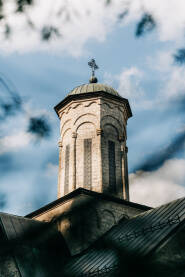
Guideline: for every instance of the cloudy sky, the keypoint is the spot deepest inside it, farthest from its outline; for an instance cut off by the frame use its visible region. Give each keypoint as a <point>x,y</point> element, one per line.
<point>140,66</point>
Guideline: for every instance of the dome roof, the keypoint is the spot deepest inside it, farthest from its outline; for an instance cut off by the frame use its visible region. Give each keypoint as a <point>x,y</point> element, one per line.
<point>93,87</point>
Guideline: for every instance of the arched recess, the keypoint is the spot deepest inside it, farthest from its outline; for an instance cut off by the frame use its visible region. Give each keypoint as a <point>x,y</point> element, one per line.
<point>65,125</point>
<point>107,219</point>
<point>85,155</point>
<point>66,135</point>
<point>86,128</point>
<point>110,131</point>
<point>109,119</point>
<point>87,117</point>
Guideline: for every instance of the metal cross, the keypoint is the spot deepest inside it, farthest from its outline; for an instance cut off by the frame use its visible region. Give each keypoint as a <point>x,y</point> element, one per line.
<point>93,66</point>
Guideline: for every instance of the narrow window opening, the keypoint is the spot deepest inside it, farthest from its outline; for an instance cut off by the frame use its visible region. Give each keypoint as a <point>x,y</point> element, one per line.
<point>66,182</point>
<point>112,166</point>
<point>88,163</point>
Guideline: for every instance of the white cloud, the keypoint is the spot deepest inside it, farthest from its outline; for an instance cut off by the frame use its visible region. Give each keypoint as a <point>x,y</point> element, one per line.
<point>76,20</point>
<point>160,186</point>
<point>129,83</point>
<point>172,83</point>
<point>175,83</point>
<point>162,61</point>
<point>51,170</point>
<point>81,20</point>
<point>14,142</point>
<point>169,15</point>
<point>14,134</point>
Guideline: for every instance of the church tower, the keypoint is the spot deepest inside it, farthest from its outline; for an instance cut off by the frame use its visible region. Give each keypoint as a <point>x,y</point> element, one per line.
<point>92,145</point>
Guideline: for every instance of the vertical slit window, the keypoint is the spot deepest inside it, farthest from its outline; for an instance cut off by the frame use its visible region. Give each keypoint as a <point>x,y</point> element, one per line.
<point>66,182</point>
<point>112,166</point>
<point>87,163</point>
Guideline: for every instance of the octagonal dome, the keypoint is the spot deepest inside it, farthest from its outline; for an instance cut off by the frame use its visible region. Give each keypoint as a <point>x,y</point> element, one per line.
<point>93,87</point>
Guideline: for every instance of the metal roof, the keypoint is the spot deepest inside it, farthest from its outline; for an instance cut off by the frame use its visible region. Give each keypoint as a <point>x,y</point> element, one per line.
<point>137,236</point>
<point>93,87</point>
<point>30,247</point>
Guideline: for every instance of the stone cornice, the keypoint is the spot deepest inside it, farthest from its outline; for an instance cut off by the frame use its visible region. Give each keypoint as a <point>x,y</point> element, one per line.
<point>82,191</point>
<point>90,95</point>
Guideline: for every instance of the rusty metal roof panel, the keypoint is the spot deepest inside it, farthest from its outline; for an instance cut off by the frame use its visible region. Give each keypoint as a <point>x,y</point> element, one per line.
<point>137,236</point>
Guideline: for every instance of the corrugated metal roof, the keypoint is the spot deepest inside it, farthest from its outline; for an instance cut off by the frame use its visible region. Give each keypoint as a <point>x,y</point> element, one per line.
<point>92,87</point>
<point>37,248</point>
<point>137,236</point>
<point>16,227</point>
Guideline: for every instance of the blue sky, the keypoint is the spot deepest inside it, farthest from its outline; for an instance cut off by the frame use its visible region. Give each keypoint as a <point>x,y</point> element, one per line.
<point>141,69</point>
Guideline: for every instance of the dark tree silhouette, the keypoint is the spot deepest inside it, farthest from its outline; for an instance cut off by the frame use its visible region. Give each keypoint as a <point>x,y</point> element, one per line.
<point>39,127</point>
<point>145,25</point>
<point>21,4</point>
<point>10,101</point>
<point>11,104</point>
<point>179,56</point>
<point>48,32</point>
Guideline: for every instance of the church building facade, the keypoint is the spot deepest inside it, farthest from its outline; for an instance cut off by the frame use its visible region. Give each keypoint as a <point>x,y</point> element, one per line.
<point>93,229</point>
<point>93,152</point>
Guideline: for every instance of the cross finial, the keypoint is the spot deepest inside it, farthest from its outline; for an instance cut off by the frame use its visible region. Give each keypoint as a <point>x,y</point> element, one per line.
<point>92,64</point>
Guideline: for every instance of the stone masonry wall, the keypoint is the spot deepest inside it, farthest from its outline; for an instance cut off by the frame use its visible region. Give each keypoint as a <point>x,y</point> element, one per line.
<point>84,219</point>
<point>79,120</point>
<point>101,120</point>
<point>113,120</point>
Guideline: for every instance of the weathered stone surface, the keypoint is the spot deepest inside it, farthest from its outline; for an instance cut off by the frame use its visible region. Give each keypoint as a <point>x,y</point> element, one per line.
<point>102,120</point>
<point>86,216</point>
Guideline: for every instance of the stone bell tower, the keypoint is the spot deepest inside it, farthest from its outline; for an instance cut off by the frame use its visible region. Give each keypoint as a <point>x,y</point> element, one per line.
<point>92,146</point>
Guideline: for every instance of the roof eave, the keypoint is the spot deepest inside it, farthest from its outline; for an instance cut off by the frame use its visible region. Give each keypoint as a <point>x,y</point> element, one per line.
<point>71,97</point>
<point>82,191</point>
